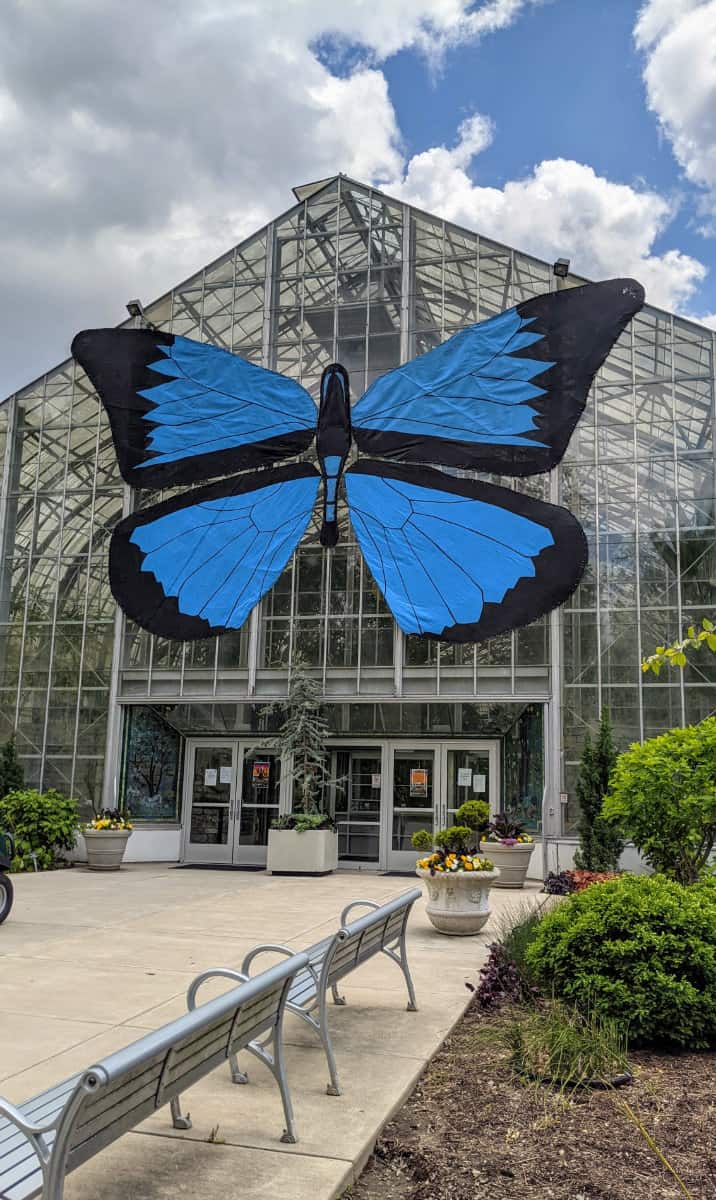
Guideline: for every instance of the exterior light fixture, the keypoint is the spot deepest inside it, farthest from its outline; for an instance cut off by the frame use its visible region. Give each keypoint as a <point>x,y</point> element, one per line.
<point>561,268</point>
<point>135,308</point>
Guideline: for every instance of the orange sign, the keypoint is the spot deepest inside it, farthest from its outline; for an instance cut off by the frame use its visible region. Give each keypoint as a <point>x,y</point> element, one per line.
<point>418,781</point>
<point>260,772</point>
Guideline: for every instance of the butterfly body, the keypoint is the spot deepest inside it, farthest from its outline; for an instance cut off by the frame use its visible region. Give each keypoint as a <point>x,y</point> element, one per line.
<point>333,443</point>
<point>455,558</point>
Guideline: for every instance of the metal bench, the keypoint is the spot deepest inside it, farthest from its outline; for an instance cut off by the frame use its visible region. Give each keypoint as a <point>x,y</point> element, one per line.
<point>44,1139</point>
<point>381,931</point>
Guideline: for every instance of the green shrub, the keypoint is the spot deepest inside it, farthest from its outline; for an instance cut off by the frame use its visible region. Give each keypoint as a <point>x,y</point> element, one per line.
<point>12,778</point>
<point>422,839</point>
<point>457,839</point>
<point>640,951</point>
<point>662,795</point>
<point>41,824</point>
<point>474,813</point>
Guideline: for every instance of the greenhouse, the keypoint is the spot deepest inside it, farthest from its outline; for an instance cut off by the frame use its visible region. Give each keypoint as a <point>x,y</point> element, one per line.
<point>177,732</point>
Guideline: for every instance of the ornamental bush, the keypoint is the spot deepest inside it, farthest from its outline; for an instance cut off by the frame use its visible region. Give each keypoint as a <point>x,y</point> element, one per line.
<point>662,796</point>
<point>640,950</point>
<point>41,823</point>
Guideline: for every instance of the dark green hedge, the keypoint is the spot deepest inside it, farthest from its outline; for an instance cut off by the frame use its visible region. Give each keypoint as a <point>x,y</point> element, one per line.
<point>642,950</point>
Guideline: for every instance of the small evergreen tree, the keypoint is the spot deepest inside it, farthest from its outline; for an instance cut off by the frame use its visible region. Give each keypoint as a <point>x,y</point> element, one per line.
<point>600,843</point>
<point>303,735</point>
<point>12,776</point>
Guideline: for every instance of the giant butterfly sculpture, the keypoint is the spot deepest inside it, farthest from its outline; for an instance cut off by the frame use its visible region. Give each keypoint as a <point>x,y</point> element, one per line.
<point>456,558</point>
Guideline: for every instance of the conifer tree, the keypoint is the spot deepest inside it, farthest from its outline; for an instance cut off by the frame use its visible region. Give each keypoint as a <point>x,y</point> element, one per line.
<point>303,735</point>
<point>599,843</point>
<point>12,776</point>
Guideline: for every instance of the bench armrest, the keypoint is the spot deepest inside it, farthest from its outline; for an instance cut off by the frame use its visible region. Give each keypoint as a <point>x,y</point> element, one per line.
<point>266,948</point>
<point>212,973</point>
<point>372,904</point>
<point>275,948</point>
<point>18,1118</point>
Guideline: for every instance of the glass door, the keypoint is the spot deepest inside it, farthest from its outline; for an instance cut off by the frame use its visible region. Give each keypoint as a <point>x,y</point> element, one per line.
<point>258,805</point>
<point>470,772</point>
<point>356,803</point>
<point>411,801</point>
<point>210,801</point>
<point>428,783</point>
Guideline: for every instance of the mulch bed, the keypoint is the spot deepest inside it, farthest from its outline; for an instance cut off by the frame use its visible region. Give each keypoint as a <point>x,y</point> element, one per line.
<point>472,1129</point>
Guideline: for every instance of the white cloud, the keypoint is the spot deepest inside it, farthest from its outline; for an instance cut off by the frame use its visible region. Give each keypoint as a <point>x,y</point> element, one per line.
<point>678,38</point>
<point>137,145</point>
<point>135,148</point>
<point>561,209</point>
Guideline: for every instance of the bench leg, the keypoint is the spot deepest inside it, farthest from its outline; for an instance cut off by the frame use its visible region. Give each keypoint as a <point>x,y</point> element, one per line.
<point>337,998</point>
<point>179,1121</point>
<point>270,1052</point>
<point>237,1075</point>
<point>333,1088</point>
<point>289,1133</point>
<point>400,957</point>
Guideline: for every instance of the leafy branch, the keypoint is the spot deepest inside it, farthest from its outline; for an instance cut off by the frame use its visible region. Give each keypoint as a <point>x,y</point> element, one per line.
<point>675,655</point>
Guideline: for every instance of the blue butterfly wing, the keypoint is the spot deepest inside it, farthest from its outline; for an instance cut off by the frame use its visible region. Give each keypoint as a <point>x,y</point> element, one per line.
<point>460,559</point>
<point>502,396</point>
<point>183,411</point>
<point>195,565</point>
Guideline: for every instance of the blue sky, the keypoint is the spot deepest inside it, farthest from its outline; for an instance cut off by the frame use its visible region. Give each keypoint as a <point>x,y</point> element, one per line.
<point>134,151</point>
<point>565,81</point>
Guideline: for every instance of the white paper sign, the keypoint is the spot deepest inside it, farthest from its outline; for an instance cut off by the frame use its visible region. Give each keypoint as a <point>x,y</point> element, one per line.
<point>210,777</point>
<point>375,781</point>
<point>464,776</point>
<point>225,775</point>
<point>479,783</point>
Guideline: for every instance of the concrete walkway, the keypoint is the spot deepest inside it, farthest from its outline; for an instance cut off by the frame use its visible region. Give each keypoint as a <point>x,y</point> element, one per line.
<point>90,962</point>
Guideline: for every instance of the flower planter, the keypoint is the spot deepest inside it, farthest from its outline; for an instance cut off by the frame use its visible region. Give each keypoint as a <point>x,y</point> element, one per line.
<point>513,862</point>
<point>105,848</point>
<point>313,852</point>
<point>458,901</point>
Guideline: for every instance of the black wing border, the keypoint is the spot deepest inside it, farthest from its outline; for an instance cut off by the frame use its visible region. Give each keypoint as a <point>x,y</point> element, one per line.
<point>118,379</point>
<point>138,593</point>
<point>558,569</point>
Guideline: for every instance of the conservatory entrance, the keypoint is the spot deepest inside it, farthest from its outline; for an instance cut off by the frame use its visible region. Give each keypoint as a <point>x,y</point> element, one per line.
<point>231,795</point>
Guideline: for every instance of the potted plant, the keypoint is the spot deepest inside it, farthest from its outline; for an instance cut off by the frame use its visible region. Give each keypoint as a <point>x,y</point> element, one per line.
<point>304,841</point>
<point>106,837</point>
<point>511,848</point>
<point>457,877</point>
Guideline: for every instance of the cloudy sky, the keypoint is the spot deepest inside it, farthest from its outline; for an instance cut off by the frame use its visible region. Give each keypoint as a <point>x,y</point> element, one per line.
<point>139,140</point>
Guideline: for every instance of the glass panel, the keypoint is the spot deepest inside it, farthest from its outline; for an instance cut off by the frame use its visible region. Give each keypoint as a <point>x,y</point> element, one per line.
<point>357,802</point>
<point>259,796</point>
<point>211,795</point>
<point>150,786</point>
<point>523,768</point>
<point>412,795</point>
<point>468,778</point>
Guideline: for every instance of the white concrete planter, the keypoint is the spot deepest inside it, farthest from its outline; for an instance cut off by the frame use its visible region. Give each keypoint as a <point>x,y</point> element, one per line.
<point>513,862</point>
<point>458,901</point>
<point>105,848</point>
<point>314,852</point>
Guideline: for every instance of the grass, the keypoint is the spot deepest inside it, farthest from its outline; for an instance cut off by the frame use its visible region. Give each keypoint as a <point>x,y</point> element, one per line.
<point>558,1045</point>
<point>516,929</point>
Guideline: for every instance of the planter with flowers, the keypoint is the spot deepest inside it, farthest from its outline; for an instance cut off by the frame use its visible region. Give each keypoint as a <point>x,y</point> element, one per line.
<point>106,837</point>
<point>511,848</point>
<point>457,877</point>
